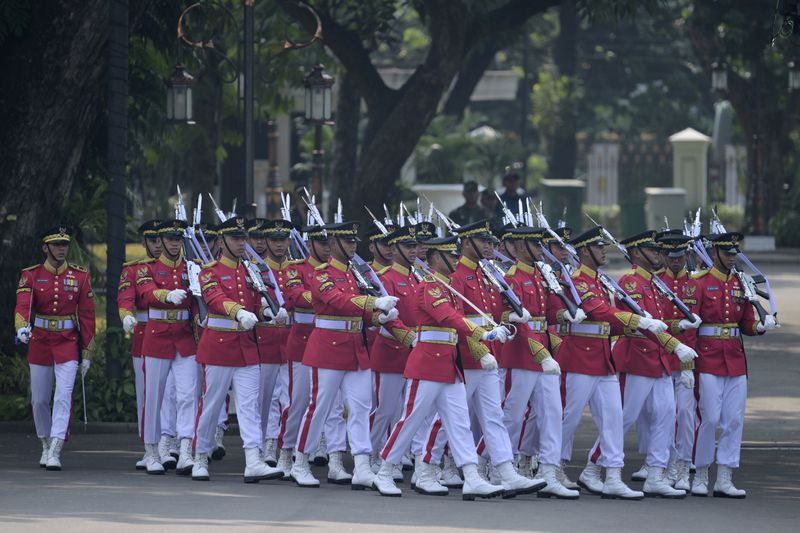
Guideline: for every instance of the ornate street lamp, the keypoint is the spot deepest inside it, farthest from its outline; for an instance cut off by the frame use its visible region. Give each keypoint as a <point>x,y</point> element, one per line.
<point>794,74</point>
<point>719,76</point>
<point>318,104</point>
<point>179,97</point>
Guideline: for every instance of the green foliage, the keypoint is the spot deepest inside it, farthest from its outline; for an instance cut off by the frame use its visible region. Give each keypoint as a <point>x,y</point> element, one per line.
<point>15,16</point>
<point>732,217</point>
<point>608,217</point>
<point>554,97</point>
<point>14,395</point>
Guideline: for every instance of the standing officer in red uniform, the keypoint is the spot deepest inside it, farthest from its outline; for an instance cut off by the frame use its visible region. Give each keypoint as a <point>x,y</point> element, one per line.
<point>54,314</point>
<point>168,344</point>
<point>134,315</point>
<point>228,352</point>
<point>435,381</point>
<point>337,355</point>
<point>722,367</point>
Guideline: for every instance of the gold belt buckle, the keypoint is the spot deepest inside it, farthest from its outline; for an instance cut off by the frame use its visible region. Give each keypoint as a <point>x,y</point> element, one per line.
<point>725,332</point>
<point>172,315</point>
<point>52,324</point>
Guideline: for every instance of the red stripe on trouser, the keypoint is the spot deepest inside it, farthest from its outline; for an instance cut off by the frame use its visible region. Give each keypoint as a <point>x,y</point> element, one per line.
<point>524,424</point>
<point>144,397</point>
<point>377,399</point>
<point>437,425</point>
<point>301,443</point>
<point>199,410</point>
<point>563,388</point>
<point>412,395</point>
<point>285,412</point>
<point>597,451</point>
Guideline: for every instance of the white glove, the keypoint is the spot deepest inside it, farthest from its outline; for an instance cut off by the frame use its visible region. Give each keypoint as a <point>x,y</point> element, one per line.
<point>488,362</point>
<point>768,324</point>
<point>686,324</point>
<point>580,316</point>
<point>498,333</point>
<point>687,379</point>
<point>246,319</point>
<point>176,296</point>
<point>684,353</point>
<point>128,323</point>
<point>652,324</point>
<point>24,334</point>
<point>85,364</point>
<point>647,314</point>
<point>414,341</point>
<point>388,316</point>
<point>282,317</point>
<point>551,366</point>
<point>514,317</point>
<point>384,303</point>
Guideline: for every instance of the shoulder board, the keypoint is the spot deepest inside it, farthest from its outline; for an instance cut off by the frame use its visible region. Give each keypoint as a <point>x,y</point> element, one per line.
<point>321,267</point>
<point>630,272</point>
<point>131,263</point>
<point>31,267</point>
<point>79,268</point>
<point>383,270</point>
<point>297,261</point>
<point>428,278</point>
<point>210,264</point>
<point>575,275</point>
<point>698,275</point>
<point>197,261</point>
<point>511,270</point>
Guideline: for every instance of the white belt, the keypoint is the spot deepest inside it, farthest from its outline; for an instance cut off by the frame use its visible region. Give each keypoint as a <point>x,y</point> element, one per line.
<point>718,331</point>
<point>141,317</point>
<point>538,326</point>
<point>54,324</point>
<point>339,325</point>
<point>589,329</point>
<point>437,336</point>
<point>301,317</point>
<point>478,320</point>
<point>223,323</point>
<point>168,314</point>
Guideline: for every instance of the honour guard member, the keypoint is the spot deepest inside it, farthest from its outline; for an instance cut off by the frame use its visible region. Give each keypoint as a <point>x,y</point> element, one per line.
<point>532,376</point>
<point>726,315</point>
<point>435,382</point>
<point>382,253</point>
<point>645,368</point>
<point>134,314</point>
<point>228,352</point>
<point>585,354</point>
<point>168,345</point>
<point>54,314</point>
<point>337,355</point>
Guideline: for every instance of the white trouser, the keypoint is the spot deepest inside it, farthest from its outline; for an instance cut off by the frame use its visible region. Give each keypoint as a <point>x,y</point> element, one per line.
<point>543,392</point>
<point>722,402</point>
<point>336,428</point>
<point>299,385</point>
<point>643,427</point>
<point>42,378</point>
<point>266,389</point>
<point>222,421</point>
<point>602,394</point>
<point>280,399</point>
<point>529,433</point>
<point>387,407</point>
<point>356,388</point>
<point>138,385</point>
<point>685,421</point>
<point>169,407</point>
<point>483,400</point>
<point>423,398</point>
<point>217,381</point>
<point>156,371</point>
<point>655,396</point>
<point>420,440</point>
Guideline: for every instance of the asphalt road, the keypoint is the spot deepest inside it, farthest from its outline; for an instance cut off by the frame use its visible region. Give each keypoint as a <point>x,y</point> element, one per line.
<point>98,490</point>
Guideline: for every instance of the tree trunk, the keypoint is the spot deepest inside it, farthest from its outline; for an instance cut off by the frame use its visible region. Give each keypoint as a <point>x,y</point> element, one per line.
<point>50,106</point>
<point>563,148</point>
<point>345,145</point>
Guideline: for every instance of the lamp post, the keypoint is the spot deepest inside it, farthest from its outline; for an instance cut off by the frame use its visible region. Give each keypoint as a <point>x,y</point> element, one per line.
<point>719,76</point>
<point>179,97</point>
<point>318,89</point>
<point>794,75</point>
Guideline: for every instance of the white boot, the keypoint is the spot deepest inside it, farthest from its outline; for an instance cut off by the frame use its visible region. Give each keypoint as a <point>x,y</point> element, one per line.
<point>450,476</point>
<point>301,472</point>
<point>271,452</point>
<point>475,486</point>
<point>185,462</point>
<point>590,480</point>
<point>255,469</point>
<point>375,463</point>
<point>153,466</point>
<point>200,468</point>
<point>397,474</point>
<point>320,456</point>
<point>640,475</point>
<point>285,463</point>
<point>54,454</point>
<point>723,487</point>
<point>554,488</point>
<point>166,460</point>
<point>362,475</point>
<point>561,476</point>
<point>672,472</point>
<point>483,468</point>
<point>524,466</point>
<point>175,447</point>
<point>45,452</point>
<point>425,479</point>
<point>336,472</point>
<point>682,479</point>
<point>219,448</point>
<point>700,484</point>
<point>514,484</point>
<point>658,486</point>
<point>383,482</point>
<point>534,464</point>
<point>615,489</point>
<point>141,464</point>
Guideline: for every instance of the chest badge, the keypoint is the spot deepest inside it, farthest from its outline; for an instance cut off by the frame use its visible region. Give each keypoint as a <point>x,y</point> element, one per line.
<point>436,292</point>
<point>630,286</point>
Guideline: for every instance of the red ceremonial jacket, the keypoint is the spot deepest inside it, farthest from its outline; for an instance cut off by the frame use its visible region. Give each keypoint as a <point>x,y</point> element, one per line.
<point>298,302</point>
<point>272,337</point>
<point>440,313</point>
<point>686,289</point>
<point>129,304</point>
<point>721,304</point>
<point>389,352</point>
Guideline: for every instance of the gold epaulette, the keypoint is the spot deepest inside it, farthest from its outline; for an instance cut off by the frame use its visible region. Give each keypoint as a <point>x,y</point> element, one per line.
<point>511,270</point>
<point>428,278</point>
<point>630,272</point>
<point>383,270</point>
<point>197,261</point>
<point>698,275</point>
<point>31,267</point>
<point>296,261</point>
<point>78,267</point>
<point>210,263</point>
<point>131,263</point>
<point>321,267</point>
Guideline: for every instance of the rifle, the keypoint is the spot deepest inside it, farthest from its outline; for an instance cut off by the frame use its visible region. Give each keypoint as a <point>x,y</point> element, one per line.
<point>192,250</point>
<point>298,247</point>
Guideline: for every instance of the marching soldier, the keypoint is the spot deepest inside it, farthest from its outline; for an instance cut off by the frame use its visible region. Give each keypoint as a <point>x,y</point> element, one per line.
<point>168,345</point>
<point>54,314</point>
<point>228,351</point>
<point>134,315</point>
<point>382,253</point>
<point>338,357</point>
<point>726,315</point>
